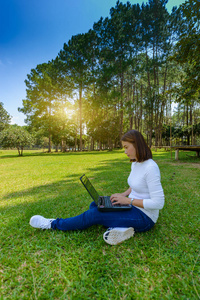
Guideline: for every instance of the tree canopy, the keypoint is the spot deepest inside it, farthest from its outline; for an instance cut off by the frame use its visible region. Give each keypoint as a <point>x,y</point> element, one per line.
<point>124,72</point>
<point>16,137</point>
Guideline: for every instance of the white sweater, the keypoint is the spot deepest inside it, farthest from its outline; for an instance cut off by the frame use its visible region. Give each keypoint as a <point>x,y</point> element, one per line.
<point>145,184</point>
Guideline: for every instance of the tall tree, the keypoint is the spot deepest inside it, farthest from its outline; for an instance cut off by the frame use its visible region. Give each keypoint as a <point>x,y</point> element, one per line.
<point>45,86</point>
<point>116,48</point>
<point>157,46</point>
<point>188,47</point>
<point>78,56</point>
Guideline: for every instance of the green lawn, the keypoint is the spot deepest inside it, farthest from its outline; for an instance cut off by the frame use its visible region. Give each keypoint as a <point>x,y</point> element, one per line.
<point>34,264</point>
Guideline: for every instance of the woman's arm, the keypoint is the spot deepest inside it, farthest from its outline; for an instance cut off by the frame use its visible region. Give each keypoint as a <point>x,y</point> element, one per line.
<point>124,194</point>
<point>138,203</point>
<point>157,198</point>
<point>122,199</point>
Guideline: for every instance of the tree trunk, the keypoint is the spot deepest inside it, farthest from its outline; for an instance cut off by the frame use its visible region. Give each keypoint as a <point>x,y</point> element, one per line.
<point>80,108</point>
<point>49,150</point>
<point>141,109</point>
<point>133,100</point>
<point>121,105</point>
<point>188,134</point>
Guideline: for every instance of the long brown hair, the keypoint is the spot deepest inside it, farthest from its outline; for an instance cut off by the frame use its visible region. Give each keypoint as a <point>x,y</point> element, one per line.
<point>143,152</point>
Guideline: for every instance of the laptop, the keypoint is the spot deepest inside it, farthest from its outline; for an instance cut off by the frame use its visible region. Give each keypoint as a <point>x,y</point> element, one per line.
<point>103,202</point>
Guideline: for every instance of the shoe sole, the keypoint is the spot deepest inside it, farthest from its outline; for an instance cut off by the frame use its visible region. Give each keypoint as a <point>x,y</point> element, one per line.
<point>114,236</point>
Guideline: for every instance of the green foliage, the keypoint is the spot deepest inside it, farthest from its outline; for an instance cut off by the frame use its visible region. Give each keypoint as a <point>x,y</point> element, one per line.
<point>16,137</point>
<point>78,57</point>
<point>188,49</point>
<point>104,131</point>
<point>5,118</point>
<point>45,89</point>
<point>130,67</point>
<point>162,263</point>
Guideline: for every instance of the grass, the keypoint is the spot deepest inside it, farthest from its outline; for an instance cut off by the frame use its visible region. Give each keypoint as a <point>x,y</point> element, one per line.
<point>34,264</point>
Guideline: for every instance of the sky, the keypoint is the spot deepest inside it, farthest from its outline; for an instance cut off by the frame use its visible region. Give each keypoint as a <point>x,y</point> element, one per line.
<point>33,32</point>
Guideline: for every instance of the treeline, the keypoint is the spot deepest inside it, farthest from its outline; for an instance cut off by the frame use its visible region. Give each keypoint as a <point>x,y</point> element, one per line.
<point>124,73</point>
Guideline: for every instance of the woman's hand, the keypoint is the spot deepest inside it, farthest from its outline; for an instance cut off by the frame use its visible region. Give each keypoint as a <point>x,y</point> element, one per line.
<point>120,199</point>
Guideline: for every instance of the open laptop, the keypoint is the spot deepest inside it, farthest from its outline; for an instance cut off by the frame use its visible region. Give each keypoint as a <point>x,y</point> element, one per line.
<point>103,202</point>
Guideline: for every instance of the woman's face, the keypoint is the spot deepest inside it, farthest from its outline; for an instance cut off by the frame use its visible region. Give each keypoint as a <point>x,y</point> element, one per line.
<point>129,150</point>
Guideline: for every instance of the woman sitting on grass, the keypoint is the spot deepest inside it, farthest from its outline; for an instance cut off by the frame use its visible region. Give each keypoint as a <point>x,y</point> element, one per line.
<point>145,194</point>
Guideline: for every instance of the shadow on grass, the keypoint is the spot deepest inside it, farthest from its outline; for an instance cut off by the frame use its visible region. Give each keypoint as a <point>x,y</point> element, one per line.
<point>158,156</point>
<point>60,199</point>
<point>174,238</point>
<point>84,153</point>
<point>66,197</point>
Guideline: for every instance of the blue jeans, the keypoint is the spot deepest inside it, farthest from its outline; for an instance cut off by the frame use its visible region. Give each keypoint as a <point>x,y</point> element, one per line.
<point>131,218</point>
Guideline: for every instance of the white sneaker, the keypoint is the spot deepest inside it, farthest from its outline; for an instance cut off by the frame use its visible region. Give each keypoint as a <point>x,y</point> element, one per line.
<point>40,222</point>
<point>114,236</point>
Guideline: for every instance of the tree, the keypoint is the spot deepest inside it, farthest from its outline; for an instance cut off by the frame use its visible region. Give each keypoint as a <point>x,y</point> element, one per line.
<point>45,88</point>
<point>186,55</point>
<point>78,57</point>
<point>5,118</point>
<point>116,47</point>
<point>16,137</point>
<point>157,44</point>
<point>188,47</point>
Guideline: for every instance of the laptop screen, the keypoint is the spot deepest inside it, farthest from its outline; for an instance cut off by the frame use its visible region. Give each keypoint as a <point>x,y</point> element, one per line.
<point>89,187</point>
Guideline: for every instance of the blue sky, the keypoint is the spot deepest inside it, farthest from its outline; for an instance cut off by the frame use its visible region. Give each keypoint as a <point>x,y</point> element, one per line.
<point>34,31</point>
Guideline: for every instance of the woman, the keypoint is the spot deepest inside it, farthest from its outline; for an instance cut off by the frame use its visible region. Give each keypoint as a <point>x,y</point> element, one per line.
<point>145,194</point>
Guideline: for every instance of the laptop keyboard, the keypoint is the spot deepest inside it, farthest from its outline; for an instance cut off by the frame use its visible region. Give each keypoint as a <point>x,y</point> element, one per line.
<point>105,201</point>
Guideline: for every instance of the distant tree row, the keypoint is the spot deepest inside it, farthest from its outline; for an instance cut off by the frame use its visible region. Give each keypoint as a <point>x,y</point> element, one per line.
<point>14,136</point>
<point>124,73</point>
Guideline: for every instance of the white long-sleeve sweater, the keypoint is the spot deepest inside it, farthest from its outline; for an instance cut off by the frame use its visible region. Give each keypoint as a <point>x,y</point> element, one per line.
<point>145,184</point>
